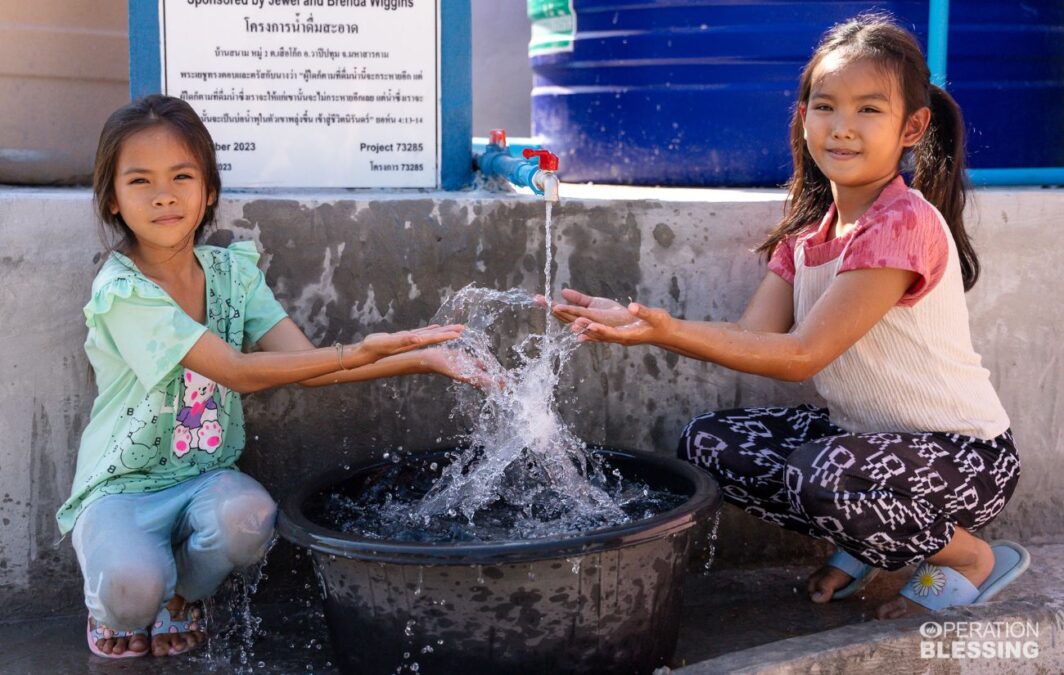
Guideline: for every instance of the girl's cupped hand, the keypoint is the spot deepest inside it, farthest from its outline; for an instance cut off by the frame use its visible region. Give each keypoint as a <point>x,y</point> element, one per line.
<point>583,306</point>
<point>463,367</point>
<point>644,325</point>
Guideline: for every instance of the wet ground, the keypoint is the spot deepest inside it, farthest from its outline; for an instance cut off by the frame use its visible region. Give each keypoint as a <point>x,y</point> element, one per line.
<point>726,611</point>
<point>294,642</point>
<point>730,610</point>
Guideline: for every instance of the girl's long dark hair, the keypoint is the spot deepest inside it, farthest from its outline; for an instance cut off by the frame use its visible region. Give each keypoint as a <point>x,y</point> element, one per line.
<point>938,159</point>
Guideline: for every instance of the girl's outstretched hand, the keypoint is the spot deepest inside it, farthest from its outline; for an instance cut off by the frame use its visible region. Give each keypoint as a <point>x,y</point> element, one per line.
<point>595,309</point>
<point>379,345</point>
<point>645,325</point>
<point>463,367</point>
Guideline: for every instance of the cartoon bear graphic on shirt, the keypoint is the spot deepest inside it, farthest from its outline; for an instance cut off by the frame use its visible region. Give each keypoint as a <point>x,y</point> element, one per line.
<point>196,426</point>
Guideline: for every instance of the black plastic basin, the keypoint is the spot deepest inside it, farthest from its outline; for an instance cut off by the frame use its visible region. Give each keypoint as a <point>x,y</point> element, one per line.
<point>604,601</point>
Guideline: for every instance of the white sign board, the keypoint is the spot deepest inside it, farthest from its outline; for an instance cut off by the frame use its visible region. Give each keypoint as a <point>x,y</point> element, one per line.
<point>310,93</point>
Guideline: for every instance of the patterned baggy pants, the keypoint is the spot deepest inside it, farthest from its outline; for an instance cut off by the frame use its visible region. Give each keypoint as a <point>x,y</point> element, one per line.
<point>890,499</point>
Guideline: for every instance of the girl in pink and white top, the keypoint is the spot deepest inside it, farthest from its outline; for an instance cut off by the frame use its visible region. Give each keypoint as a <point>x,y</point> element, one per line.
<point>865,295</point>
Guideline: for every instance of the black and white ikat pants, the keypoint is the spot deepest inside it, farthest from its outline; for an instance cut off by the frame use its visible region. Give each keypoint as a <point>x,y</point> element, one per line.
<point>889,499</point>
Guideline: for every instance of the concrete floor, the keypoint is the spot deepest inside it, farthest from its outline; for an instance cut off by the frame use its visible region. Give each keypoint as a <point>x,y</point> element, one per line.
<point>748,620</point>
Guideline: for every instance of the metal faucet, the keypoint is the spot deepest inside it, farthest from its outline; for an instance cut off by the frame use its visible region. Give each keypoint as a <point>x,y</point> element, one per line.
<point>545,179</point>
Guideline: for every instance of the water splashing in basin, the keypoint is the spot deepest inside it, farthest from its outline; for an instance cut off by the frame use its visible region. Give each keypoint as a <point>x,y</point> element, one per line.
<point>524,474</point>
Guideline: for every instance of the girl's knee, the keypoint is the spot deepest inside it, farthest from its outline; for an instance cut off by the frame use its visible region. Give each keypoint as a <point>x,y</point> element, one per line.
<point>246,525</point>
<point>129,596</point>
<point>701,440</point>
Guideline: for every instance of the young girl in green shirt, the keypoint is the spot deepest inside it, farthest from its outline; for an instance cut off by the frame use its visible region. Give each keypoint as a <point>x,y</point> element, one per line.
<point>167,322</point>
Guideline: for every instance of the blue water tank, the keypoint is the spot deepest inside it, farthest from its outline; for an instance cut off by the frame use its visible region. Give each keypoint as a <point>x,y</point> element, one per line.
<point>1006,69</point>
<point>687,92</point>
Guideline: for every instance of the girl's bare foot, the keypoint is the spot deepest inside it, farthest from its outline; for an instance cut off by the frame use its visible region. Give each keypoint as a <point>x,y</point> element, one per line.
<point>965,554</point>
<point>135,643</point>
<point>172,644</point>
<point>823,583</point>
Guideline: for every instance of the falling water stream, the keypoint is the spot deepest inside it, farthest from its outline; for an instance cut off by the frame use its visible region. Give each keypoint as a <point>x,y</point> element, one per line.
<point>550,255</point>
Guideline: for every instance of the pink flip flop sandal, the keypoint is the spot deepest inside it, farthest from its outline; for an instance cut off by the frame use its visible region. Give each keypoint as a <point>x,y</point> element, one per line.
<point>194,620</point>
<point>102,632</point>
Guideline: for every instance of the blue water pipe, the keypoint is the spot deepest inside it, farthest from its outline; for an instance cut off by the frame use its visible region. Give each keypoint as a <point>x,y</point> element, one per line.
<point>937,48</point>
<point>535,169</point>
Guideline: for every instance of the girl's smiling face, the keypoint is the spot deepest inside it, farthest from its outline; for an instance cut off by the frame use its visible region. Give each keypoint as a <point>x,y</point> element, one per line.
<point>855,124</point>
<point>160,190</point>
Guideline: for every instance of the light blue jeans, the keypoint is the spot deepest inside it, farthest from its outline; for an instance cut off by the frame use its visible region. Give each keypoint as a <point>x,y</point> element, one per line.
<point>136,551</point>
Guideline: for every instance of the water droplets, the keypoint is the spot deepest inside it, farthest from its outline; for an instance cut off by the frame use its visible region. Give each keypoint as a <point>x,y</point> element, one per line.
<point>237,627</point>
<point>711,548</point>
<point>575,562</point>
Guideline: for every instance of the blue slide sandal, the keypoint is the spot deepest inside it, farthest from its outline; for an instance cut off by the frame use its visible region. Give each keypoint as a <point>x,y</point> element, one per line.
<point>936,587</point>
<point>861,573</point>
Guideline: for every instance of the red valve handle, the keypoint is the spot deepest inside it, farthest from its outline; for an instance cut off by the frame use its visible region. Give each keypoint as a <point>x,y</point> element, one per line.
<point>497,137</point>
<point>548,161</point>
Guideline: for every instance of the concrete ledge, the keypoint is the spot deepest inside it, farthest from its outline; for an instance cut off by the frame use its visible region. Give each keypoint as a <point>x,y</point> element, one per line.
<point>896,647</point>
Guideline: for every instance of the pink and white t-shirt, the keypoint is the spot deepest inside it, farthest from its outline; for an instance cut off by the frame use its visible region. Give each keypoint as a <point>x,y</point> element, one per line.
<point>915,370</point>
<point>899,231</point>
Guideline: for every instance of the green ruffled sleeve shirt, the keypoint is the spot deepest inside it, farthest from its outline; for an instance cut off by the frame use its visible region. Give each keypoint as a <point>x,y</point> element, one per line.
<point>155,423</point>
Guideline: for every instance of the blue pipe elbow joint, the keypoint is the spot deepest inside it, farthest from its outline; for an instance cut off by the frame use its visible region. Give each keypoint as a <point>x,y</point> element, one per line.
<point>535,170</point>
<point>496,160</point>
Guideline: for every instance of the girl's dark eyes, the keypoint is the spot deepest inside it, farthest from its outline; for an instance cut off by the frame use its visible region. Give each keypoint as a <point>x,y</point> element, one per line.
<point>823,107</point>
<point>144,181</point>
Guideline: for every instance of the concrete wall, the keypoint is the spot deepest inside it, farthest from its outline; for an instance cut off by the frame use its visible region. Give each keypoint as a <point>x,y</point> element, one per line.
<point>349,263</point>
<point>502,77</point>
<point>64,66</point>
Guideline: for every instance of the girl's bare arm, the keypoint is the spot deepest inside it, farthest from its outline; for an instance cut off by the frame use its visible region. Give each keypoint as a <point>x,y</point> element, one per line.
<point>771,310</point>
<point>286,336</point>
<point>850,307</point>
<point>287,359</point>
